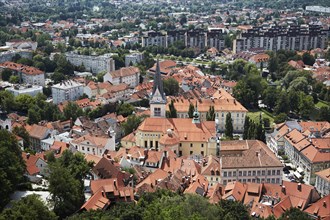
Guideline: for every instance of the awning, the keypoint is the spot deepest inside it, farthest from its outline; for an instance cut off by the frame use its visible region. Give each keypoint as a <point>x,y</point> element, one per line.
<point>300,170</point>
<point>297,174</point>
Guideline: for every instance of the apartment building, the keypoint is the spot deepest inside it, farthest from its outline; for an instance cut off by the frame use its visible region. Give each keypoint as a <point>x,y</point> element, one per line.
<point>322,183</point>
<point>129,75</point>
<point>67,91</point>
<point>216,39</point>
<point>194,38</point>
<point>94,64</point>
<point>154,39</point>
<point>175,36</point>
<point>307,153</point>
<point>293,37</point>
<point>133,58</point>
<point>249,161</point>
<point>27,74</point>
<point>28,90</point>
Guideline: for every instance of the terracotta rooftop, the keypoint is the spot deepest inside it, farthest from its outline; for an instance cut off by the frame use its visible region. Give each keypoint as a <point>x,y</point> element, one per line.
<point>30,162</point>
<point>324,174</point>
<point>220,104</point>
<point>212,167</point>
<point>236,190</point>
<point>97,201</point>
<point>37,131</point>
<point>91,140</point>
<point>257,155</point>
<point>321,208</point>
<point>182,127</point>
<point>125,71</point>
<point>29,70</point>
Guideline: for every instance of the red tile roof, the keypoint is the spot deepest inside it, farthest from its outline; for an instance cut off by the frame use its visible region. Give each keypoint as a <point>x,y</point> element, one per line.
<point>29,70</point>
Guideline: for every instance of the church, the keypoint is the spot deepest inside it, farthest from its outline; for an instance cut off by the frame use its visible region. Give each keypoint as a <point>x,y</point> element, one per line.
<point>184,136</point>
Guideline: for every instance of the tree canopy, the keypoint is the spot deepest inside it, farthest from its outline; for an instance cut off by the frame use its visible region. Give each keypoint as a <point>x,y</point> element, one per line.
<point>66,175</point>
<point>29,207</point>
<point>12,166</point>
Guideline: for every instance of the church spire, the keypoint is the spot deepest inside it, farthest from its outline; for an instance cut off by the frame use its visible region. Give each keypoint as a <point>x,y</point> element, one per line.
<point>158,89</point>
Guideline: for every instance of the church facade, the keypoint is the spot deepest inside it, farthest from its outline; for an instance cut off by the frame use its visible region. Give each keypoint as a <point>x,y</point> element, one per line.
<point>184,136</point>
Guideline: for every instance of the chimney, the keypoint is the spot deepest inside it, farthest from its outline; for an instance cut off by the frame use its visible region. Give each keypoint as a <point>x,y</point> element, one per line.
<point>165,154</point>
<point>299,186</point>
<point>283,189</point>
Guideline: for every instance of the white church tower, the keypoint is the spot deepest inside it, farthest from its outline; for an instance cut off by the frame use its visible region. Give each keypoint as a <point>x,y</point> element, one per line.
<point>158,97</point>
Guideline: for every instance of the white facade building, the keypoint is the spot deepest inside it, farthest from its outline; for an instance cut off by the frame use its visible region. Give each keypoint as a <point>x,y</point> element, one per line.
<point>95,145</point>
<point>27,90</point>
<point>94,64</point>
<point>322,183</point>
<point>133,58</point>
<point>67,91</point>
<point>129,75</point>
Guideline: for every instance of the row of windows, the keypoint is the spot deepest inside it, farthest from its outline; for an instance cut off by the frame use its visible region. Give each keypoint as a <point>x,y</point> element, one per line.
<point>257,180</point>
<point>88,149</point>
<point>252,173</point>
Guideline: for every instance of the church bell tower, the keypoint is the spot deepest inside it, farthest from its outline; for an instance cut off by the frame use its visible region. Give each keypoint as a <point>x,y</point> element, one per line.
<point>158,97</point>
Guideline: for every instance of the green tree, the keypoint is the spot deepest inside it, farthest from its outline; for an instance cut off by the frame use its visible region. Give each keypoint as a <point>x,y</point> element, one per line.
<point>280,118</point>
<point>57,77</point>
<point>260,133</point>
<point>7,101</point>
<point>125,109</point>
<point>14,79</point>
<point>293,97</point>
<point>34,115</point>
<point>131,124</point>
<point>171,86</point>
<point>66,175</point>
<point>282,103</point>
<point>325,113</point>
<point>172,112</point>
<point>210,115</point>
<point>22,132</point>
<point>229,126</point>
<point>299,84</point>
<point>191,110</point>
<point>24,102</point>
<point>308,59</point>
<point>306,105</point>
<point>29,207</point>
<point>273,63</point>
<point>270,96</point>
<point>72,110</point>
<point>233,210</point>
<point>294,214</point>
<point>12,166</point>
<point>6,74</point>
<point>246,128</point>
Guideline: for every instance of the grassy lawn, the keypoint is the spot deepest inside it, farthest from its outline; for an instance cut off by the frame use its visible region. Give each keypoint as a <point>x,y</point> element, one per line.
<point>321,104</point>
<point>255,116</point>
